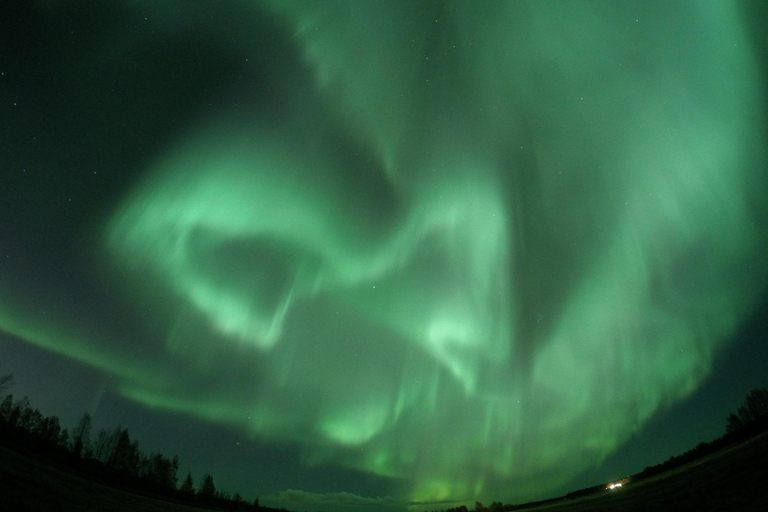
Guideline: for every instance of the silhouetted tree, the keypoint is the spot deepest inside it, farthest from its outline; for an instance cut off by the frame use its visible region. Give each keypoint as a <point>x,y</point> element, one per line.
<point>159,471</point>
<point>733,424</point>
<point>48,430</point>
<point>125,454</point>
<point>81,435</point>
<point>64,439</point>
<point>207,489</point>
<point>103,445</point>
<point>6,381</point>
<point>5,407</point>
<point>187,486</point>
<point>754,408</point>
<point>29,417</point>
<point>20,408</point>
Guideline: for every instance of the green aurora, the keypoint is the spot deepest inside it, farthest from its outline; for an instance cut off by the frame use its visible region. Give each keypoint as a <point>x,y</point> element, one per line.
<point>476,250</point>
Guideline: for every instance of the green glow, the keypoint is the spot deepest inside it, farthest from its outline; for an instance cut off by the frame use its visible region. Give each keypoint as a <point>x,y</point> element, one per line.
<point>563,256</point>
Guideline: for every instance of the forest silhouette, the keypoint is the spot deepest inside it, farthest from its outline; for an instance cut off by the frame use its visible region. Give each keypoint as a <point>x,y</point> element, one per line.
<point>111,457</point>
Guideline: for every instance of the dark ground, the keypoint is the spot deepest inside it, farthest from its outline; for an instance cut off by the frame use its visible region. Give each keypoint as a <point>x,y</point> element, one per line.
<point>31,485</point>
<point>733,479</point>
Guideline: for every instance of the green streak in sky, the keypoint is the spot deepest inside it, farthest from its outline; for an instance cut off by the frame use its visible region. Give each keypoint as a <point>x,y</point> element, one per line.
<point>546,240</point>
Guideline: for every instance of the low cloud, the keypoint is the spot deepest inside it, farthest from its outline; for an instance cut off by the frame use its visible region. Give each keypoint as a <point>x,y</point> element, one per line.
<point>302,500</point>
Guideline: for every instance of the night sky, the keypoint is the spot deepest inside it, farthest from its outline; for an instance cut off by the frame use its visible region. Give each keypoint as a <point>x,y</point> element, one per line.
<point>370,255</point>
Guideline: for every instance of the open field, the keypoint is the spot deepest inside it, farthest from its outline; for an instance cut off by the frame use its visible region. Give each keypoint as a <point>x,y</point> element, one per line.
<point>30,485</point>
<point>733,479</point>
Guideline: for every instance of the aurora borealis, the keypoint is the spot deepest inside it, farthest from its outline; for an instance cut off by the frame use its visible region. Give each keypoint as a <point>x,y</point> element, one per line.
<point>469,249</point>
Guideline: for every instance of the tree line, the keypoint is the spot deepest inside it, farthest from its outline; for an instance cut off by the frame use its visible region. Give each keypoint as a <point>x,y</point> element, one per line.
<point>110,456</point>
<point>749,420</point>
